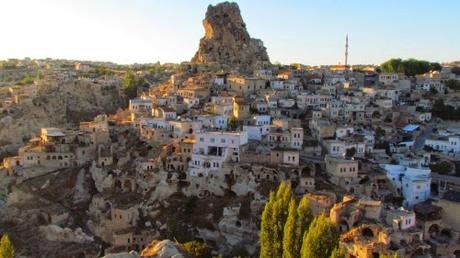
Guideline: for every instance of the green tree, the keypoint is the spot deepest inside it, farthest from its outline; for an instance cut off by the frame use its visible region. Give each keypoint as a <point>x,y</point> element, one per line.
<point>442,168</point>
<point>379,133</point>
<point>266,228</point>
<point>453,84</point>
<point>410,67</point>
<point>130,84</point>
<point>233,123</point>
<point>433,91</point>
<point>395,255</point>
<point>392,66</point>
<point>196,249</point>
<point>277,230</point>
<point>455,70</point>
<point>446,112</point>
<point>290,238</point>
<point>39,75</point>
<point>338,253</point>
<point>435,67</point>
<point>27,79</point>
<point>321,239</point>
<point>305,217</point>
<point>273,221</point>
<point>6,247</point>
<point>283,224</point>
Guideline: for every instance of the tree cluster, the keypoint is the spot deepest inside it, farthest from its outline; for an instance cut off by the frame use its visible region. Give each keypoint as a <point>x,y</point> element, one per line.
<point>409,67</point>
<point>442,168</point>
<point>101,70</point>
<point>289,230</point>
<point>131,83</point>
<point>455,70</point>
<point>453,84</point>
<point>445,112</point>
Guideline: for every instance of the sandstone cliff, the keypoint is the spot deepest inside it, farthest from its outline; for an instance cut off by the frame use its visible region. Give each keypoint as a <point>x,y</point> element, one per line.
<point>226,41</point>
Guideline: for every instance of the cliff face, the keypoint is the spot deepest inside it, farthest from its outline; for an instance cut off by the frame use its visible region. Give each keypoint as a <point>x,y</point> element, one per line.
<point>226,40</point>
<point>56,106</point>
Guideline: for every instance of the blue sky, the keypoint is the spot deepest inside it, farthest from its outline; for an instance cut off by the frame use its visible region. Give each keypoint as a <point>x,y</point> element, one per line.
<point>309,32</point>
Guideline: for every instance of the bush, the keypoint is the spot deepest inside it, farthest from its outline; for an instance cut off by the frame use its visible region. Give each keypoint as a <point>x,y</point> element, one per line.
<point>445,112</point>
<point>442,168</point>
<point>196,249</point>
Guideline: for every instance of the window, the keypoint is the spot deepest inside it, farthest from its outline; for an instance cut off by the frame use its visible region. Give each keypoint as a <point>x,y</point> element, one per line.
<point>213,140</point>
<point>201,139</point>
<point>222,140</point>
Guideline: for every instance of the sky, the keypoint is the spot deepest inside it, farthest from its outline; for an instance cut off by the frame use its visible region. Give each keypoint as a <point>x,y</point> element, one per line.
<point>294,31</point>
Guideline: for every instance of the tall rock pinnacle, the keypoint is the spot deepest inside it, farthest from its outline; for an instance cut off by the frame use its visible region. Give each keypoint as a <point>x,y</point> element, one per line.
<point>227,42</point>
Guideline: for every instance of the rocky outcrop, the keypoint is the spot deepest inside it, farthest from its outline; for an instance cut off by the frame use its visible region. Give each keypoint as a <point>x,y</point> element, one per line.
<point>131,254</point>
<point>226,41</point>
<point>162,249</point>
<point>61,105</point>
<point>56,233</point>
<point>156,249</point>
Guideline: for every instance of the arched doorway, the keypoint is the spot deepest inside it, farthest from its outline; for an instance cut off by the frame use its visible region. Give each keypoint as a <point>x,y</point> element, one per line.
<point>127,185</point>
<point>433,230</point>
<point>367,232</point>
<point>117,184</point>
<point>343,225</point>
<point>457,253</point>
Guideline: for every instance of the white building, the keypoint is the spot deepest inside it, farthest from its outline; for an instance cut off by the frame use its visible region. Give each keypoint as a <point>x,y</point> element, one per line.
<point>450,144</point>
<point>214,121</point>
<point>342,171</point>
<point>388,78</point>
<point>290,138</point>
<point>191,102</point>
<point>414,184</point>
<point>262,120</point>
<point>385,103</point>
<point>212,149</point>
<point>429,84</point>
<point>256,132</point>
<point>286,103</point>
<point>183,128</point>
<point>140,105</point>
<point>423,116</point>
<point>343,131</point>
<point>400,219</point>
<point>165,112</point>
<point>306,100</point>
<point>339,147</point>
<point>277,84</point>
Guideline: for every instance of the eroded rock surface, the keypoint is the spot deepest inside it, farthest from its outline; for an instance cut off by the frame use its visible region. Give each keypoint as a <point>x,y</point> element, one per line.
<point>226,40</point>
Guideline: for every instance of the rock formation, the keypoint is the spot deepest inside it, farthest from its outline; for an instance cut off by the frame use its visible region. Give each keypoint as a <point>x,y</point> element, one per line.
<point>56,105</point>
<point>156,249</point>
<point>226,41</point>
<point>57,233</point>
